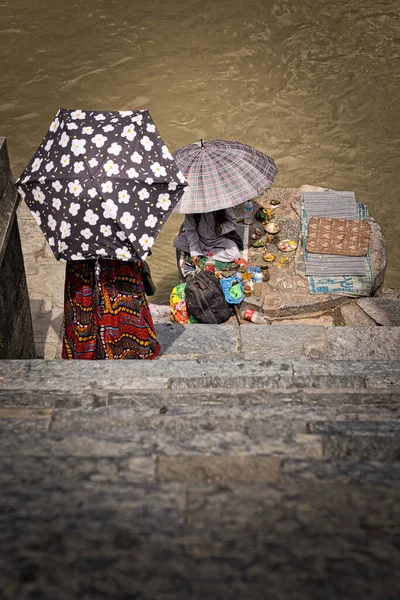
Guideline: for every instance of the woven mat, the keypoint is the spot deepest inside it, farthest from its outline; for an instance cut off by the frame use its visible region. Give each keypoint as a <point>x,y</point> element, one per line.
<point>345,237</point>
<point>340,205</point>
<point>352,286</point>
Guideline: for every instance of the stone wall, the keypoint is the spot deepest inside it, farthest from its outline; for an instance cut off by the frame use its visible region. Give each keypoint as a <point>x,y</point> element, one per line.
<point>16,333</point>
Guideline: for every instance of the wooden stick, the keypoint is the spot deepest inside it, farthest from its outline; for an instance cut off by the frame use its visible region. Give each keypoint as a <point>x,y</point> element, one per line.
<point>237,314</point>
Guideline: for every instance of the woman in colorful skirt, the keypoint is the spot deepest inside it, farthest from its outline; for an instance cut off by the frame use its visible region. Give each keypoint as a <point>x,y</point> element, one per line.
<point>106,315</point>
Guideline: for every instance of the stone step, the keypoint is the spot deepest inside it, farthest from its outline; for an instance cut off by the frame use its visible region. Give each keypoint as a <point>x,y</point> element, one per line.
<point>156,401</point>
<point>359,440</point>
<point>181,440</point>
<point>172,541</point>
<point>99,471</point>
<point>260,342</point>
<point>255,342</point>
<point>367,440</point>
<point>77,377</point>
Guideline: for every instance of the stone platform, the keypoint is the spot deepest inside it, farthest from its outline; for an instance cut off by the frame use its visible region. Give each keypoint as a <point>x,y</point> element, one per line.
<point>287,293</point>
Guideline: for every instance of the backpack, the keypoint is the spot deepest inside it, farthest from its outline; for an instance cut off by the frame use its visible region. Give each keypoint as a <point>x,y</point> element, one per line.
<point>205,299</point>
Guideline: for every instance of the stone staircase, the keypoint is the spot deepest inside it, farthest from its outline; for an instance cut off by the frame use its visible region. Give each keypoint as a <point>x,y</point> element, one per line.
<point>252,462</point>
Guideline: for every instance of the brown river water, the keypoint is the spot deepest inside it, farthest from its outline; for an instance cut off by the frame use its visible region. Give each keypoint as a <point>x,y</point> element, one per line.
<point>312,83</point>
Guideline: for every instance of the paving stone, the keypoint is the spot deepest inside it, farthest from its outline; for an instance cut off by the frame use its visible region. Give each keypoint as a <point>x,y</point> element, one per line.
<point>386,474</point>
<point>383,311</point>
<point>18,426</point>
<point>308,445</point>
<point>388,381</point>
<point>197,341</point>
<point>359,428</point>
<point>30,397</point>
<point>374,343</point>
<point>350,366</point>
<point>286,341</point>
<point>140,443</point>
<point>220,469</point>
<point>18,421</point>
<point>162,504</point>
<point>25,413</point>
<point>363,447</point>
<point>354,316</point>
<point>38,470</point>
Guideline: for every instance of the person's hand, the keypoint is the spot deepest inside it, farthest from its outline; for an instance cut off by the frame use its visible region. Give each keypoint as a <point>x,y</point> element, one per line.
<point>195,260</point>
<point>218,230</point>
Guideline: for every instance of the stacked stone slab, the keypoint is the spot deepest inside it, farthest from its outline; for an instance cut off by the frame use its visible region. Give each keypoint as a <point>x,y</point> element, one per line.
<point>252,462</point>
<point>16,333</point>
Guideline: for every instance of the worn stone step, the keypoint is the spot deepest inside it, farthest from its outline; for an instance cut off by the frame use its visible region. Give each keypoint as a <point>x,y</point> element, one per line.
<point>338,471</point>
<point>269,417</point>
<point>368,427</point>
<point>275,426</point>
<point>155,400</point>
<point>142,443</point>
<point>12,371</point>
<point>99,377</point>
<point>365,440</point>
<point>126,470</point>
<point>362,447</point>
<point>174,541</point>
<point>255,342</point>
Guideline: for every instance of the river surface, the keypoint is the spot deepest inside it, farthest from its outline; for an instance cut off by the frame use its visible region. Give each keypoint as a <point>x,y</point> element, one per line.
<point>312,83</point>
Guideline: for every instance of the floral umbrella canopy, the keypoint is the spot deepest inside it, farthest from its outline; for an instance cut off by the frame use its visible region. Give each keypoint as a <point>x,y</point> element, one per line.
<point>101,184</point>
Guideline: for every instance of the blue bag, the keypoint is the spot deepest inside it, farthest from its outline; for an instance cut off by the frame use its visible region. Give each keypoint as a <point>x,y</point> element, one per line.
<point>227,283</point>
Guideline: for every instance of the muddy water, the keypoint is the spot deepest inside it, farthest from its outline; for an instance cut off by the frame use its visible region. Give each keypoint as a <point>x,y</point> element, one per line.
<point>313,83</point>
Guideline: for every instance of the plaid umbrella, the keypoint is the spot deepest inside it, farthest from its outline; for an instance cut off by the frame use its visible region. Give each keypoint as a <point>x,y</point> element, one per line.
<point>222,174</point>
<point>101,184</point>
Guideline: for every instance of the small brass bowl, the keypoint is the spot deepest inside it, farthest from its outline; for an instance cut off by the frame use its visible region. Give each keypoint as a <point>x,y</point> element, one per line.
<point>272,228</point>
<point>269,257</point>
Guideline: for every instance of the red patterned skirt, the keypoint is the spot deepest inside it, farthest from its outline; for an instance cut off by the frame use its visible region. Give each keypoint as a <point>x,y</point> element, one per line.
<point>106,316</point>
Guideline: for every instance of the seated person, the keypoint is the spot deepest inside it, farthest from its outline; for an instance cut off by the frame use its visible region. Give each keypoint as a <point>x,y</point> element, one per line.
<point>210,232</point>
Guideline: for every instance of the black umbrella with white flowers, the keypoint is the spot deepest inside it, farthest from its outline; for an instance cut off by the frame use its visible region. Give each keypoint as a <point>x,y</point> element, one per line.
<point>101,184</point>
